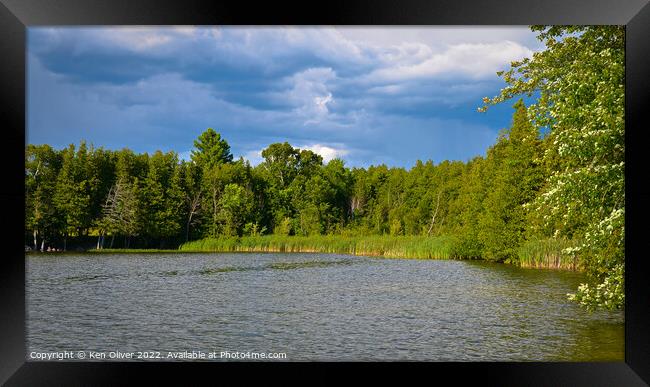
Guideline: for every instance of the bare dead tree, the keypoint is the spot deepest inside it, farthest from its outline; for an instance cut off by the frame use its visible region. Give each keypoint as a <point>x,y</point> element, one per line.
<point>194,206</point>
<point>435,213</point>
<point>120,211</point>
<point>108,206</point>
<point>356,203</point>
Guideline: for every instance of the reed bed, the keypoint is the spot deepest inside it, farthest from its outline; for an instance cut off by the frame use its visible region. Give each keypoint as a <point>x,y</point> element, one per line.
<point>386,246</point>
<point>540,254</point>
<point>547,254</point>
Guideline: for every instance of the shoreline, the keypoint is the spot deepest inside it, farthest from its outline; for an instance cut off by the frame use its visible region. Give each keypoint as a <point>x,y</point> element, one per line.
<point>402,247</point>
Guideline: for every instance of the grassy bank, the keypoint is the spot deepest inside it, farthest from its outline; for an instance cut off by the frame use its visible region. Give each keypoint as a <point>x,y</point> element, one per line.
<point>547,254</point>
<point>127,251</point>
<point>385,246</point>
<point>540,254</point>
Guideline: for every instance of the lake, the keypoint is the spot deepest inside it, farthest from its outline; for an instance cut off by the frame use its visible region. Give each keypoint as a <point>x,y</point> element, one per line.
<point>320,307</point>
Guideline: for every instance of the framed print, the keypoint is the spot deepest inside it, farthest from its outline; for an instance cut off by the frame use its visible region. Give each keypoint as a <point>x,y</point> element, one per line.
<point>438,186</point>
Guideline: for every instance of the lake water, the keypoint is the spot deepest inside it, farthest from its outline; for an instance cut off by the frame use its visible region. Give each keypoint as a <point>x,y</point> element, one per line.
<point>312,307</point>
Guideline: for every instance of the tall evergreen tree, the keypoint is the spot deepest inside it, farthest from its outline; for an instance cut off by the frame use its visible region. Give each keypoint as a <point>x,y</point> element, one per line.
<point>73,192</point>
<point>514,181</point>
<point>210,150</point>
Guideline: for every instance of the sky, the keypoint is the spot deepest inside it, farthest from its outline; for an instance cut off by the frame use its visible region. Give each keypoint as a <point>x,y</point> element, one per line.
<point>379,95</point>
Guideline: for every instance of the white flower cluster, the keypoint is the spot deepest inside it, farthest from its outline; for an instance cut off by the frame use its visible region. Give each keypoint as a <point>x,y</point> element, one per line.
<point>572,250</point>
<point>608,293</point>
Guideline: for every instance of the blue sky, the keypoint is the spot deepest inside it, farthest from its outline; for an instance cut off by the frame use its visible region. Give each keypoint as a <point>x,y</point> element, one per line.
<point>367,95</point>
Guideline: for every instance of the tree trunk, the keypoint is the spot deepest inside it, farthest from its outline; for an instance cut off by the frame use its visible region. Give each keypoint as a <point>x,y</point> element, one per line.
<point>112,240</point>
<point>43,245</point>
<point>99,240</point>
<point>214,212</point>
<point>433,218</point>
<point>35,241</point>
<point>65,242</point>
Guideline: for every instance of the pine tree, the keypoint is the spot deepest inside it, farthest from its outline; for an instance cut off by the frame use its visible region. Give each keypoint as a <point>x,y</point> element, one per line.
<point>73,194</point>
<point>211,150</point>
<point>514,180</point>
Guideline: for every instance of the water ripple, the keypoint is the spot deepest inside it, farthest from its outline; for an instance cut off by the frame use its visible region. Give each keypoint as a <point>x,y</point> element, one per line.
<point>313,307</point>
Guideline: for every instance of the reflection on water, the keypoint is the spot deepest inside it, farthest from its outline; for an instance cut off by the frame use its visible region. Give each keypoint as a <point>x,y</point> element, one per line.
<point>313,307</point>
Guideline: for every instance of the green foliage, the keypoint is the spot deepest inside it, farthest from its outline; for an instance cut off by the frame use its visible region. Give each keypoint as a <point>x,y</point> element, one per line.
<point>283,228</point>
<point>211,150</point>
<point>548,253</point>
<point>396,227</point>
<point>121,211</point>
<point>580,81</point>
<point>553,200</point>
<point>72,197</point>
<point>42,164</point>
<point>467,245</point>
<point>514,178</point>
<point>236,207</point>
<point>161,197</point>
<point>378,245</point>
<point>281,162</point>
<point>609,294</point>
<point>253,229</point>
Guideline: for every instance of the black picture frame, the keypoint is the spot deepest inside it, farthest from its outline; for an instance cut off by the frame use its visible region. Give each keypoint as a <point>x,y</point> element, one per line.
<point>17,15</point>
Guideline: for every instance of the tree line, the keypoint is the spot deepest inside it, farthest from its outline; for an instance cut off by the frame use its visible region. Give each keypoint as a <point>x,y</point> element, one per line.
<point>556,172</point>
<point>159,201</point>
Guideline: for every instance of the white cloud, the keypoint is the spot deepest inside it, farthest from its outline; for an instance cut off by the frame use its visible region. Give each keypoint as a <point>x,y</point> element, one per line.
<point>310,94</point>
<point>437,36</point>
<point>468,60</point>
<point>362,48</point>
<point>254,157</point>
<point>139,38</point>
<point>186,156</point>
<point>362,87</point>
<point>327,152</point>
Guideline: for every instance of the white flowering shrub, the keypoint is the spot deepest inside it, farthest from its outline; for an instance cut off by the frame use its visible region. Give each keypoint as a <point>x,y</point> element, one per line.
<point>608,294</point>
<point>580,81</point>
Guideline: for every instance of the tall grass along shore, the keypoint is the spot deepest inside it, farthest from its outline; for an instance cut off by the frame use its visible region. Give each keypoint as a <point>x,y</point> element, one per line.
<point>548,253</point>
<point>534,254</point>
<point>385,246</point>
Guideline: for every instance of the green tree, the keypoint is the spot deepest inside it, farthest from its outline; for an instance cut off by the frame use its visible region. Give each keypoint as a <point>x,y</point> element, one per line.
<point>190,186</point>
<point>279,168</point>
<point>339,179</point>
<point>213,160</point>
<point>210,150</point>
<point>515,179</point>
<point>235,209</point>
<point>281,160</point>
<point>162,197</point>
<point>579,78</point>
<point>215,179</point>
<point>469,206</point>
<point>72,198</point>
<point>120,212</point>
<point>42,164</point>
